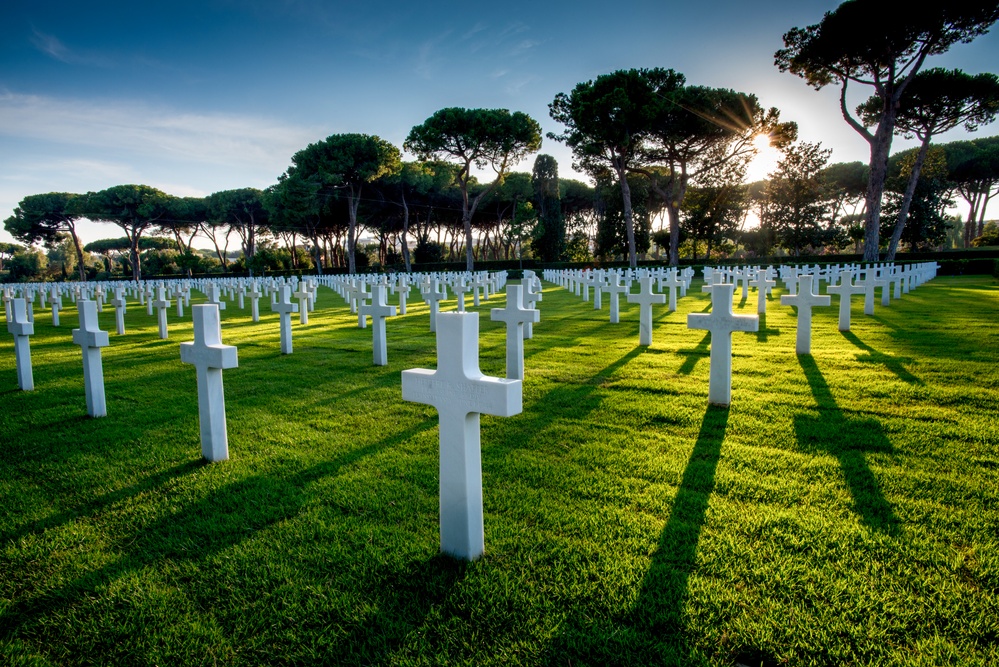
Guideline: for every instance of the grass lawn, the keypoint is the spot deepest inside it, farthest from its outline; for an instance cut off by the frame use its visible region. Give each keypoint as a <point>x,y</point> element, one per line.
<point>843,511</point>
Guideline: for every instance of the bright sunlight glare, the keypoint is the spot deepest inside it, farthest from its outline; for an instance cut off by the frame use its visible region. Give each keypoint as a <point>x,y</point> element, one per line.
<point>765,161</point>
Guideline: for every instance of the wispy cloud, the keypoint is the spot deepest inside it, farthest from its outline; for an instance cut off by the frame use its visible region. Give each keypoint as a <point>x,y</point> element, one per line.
<point>523,46</point>
<point>53,47</point>
<point>474,30</point>
<point>429,57</point>
<point>142,130</point>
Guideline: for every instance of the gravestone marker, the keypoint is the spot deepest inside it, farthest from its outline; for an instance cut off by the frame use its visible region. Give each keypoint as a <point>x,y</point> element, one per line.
<point>721,322</point>
<point>804,300</point>
<point>845,289</point>
<point>285,307</point>
<point>378,310</point>
<point>645,299</point>
<point>302,294</point>
<point>161,304</point>
<point>515,316</point>
<point>460,393</point>
<point>210,357</point>
<point>119,304</point>
<point>21,328</point>
<point>91,339</point>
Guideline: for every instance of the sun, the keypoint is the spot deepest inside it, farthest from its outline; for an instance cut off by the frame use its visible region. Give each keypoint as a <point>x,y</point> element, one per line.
<point>765,161</point>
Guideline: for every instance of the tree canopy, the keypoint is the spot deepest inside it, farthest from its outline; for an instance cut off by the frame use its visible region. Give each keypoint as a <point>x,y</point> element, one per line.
<point>45,217</point>
<point>873,43</point>
<point>494,138</point>
<point>134,208</point>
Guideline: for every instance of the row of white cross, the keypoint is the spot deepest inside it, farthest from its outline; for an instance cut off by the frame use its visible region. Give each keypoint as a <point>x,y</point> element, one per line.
<point>722,321</point>
<point>456,389</point>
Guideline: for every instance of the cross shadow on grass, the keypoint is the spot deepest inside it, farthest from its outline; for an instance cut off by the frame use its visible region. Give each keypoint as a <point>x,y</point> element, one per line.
<point>224,518</point>
<point>764,332</point>
<point>693,355</point>
<point>570,401</point>
<point>654,631</point>
<point>894,364</point>
<point>848,438</point>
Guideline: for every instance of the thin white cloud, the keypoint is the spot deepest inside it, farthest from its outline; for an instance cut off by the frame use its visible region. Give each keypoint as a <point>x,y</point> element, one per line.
<point>143,130</point>
<point>428,56</point>
<point>53,47</point>
<point>474,30</point>
<point>523,46</point>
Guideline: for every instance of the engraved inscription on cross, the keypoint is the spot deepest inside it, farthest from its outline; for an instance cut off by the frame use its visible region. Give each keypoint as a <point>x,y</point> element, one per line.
<point>460,393</point>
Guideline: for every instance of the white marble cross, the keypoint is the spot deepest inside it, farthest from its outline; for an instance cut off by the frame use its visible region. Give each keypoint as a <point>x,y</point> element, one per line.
<point>515,316</point>
<point>403,295</point>
<point>721,322</point>
<point>804,300</point>
<point>645,299</point>
<point>161,304</point>
<point>91,339</point>
<point>762,283</point>
<point>214,296</point>
<point>302,294</point>
<point>119,304</point>
<point>56,305</point>
<point>460,393</point>
<point>254,295</point>
<point>21,328</point>
<point>615,288</point>
<point>210,357</point>
<point>845,289</point>
<point>285,307</point>
<point>378,310</point>
<point>460,289</point>
<point>672,281</point>
<point>433,298</point>
<point>530,296</point>
<point>362,299</point>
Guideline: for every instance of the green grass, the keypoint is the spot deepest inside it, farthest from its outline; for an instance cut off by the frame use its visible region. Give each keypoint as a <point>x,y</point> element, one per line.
<point>844,511</point>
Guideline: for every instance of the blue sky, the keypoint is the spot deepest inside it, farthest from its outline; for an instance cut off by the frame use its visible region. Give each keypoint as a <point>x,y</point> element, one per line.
<point>195,97</point>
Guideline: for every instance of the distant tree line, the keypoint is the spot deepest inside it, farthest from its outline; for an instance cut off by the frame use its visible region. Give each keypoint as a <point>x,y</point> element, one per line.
<point>667,161</point>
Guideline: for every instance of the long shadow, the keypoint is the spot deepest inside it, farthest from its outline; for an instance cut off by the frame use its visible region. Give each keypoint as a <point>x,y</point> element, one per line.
<point>95,506</point>
<point>693,355</point>
<point>570,401</point>
<point>764,331</point>
<point>656,624</point>
<point>848,439</point>
<point>224,518</point>
<point>661,601</point>
<point>894,364</point>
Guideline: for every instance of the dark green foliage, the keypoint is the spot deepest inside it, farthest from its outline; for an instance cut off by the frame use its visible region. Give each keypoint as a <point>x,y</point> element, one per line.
<point>495,138</point>
<point>795,198</point>
<point>427,251</point>
<point>549,240</point>
<point>612,238</point>
<point>883,45</point>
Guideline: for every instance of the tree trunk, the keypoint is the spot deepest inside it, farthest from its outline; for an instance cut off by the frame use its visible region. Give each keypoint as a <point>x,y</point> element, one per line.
<point>79,251</point>
<point>629,223</point>
<point>405,235</point>
<point>910,191</point>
